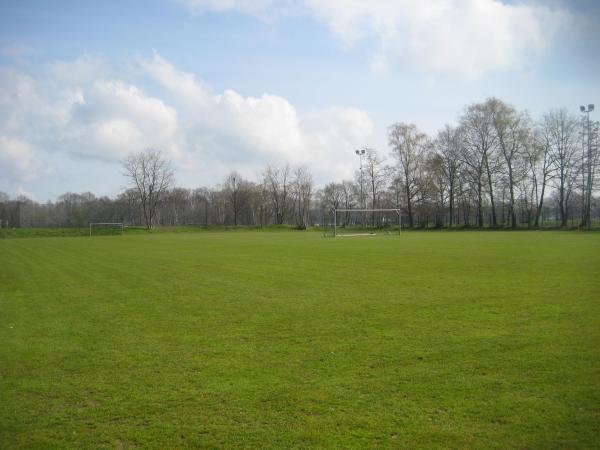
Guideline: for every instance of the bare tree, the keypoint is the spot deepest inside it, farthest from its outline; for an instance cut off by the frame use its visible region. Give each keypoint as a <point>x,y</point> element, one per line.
<point>3,207</point>
<point>479,135</point>
<point>175,207</point>
<point>257,202</point>
<point>303,186</point>
<point>540,164</point>
<point>350,193</point>
<point>589,165</point>
<point>276,180</point>
<point>150,175</point>
<point>265,200</point>
<point>237,192</point>
<point>512,129</point>
<point>375,174</point>
<point>448,146</point>
<point>408,147</point>
<point>131,210</point>
<point>560,128</point>
<point>473,172</point>
<point>332,196</point>
<point>435,186</point>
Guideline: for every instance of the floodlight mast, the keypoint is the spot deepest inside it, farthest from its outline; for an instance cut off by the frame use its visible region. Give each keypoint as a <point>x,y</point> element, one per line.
<point>360,153</point>
<point>588,195</point>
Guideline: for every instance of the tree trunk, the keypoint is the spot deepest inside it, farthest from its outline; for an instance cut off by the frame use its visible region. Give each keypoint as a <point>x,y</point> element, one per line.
<point>409,209</point>
<point>479,205</point>
<point>490,185</point>
<point>540,206</point>
<point>561,202</point>
<point>451,199</point>
<point>513,218</point>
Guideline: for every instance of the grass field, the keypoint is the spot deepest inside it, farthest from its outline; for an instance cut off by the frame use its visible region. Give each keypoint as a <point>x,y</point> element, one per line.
<point>287,339</point>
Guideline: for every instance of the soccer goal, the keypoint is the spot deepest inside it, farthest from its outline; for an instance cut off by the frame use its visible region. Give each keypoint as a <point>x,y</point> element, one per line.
<point>365,222</point>
<point>106,228</point>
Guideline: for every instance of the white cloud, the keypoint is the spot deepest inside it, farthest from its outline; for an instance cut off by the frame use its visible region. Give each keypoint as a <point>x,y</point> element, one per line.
<point>18,98</point>
<point>248,132</point>
<point>68,109</point>
<point>64,112</point>
<point>82,71</point>
<point>185,87</point>
<point>116,118</point>
<point>468,37</point>
<point>17,161</point>
<point>33,104</point>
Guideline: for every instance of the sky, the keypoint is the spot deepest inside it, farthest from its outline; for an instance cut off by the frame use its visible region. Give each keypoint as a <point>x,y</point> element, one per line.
<point>222,85</point>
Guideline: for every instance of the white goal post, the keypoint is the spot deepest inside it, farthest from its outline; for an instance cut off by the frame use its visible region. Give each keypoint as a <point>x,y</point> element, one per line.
<point>364,212</point>
<point>118,226</point>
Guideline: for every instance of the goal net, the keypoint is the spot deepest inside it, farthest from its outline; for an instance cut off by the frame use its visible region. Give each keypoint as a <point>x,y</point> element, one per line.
<point>106,228</point>
<point>364,222</point>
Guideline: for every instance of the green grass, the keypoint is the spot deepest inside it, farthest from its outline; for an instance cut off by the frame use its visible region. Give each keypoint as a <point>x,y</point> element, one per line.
<point>468,340</point>
<point>29,232</point>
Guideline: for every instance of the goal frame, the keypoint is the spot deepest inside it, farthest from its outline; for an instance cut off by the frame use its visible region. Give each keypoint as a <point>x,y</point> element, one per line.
<point>366,210</point>
<point>107,223</point>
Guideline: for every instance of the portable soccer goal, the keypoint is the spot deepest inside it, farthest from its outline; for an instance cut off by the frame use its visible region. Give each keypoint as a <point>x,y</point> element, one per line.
<point>365,222</point>
<point>106,228</point>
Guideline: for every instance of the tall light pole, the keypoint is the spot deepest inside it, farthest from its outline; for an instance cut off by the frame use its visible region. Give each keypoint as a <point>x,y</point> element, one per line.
<point>361,152</point>
<point>588,194</point>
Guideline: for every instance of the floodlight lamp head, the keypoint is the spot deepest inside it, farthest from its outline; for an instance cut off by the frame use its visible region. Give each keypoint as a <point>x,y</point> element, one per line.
<point>591,107</point>
<point>582,108</point>
<point>362,152</point>
<point>356,151</point>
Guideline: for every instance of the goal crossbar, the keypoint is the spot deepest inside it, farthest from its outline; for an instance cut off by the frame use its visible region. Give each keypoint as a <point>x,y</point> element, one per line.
<point>366,210</point>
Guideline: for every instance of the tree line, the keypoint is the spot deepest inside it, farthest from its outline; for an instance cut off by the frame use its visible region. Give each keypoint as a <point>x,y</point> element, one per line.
<point>496,167</point>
